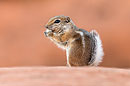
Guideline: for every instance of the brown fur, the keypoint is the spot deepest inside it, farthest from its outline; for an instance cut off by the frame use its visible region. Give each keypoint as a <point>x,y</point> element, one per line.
<point>79,56</point>
<point>69,38</point>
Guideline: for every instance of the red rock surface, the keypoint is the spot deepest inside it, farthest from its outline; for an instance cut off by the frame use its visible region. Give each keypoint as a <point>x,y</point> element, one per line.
<point>22,42</point>
<point>64,76</point>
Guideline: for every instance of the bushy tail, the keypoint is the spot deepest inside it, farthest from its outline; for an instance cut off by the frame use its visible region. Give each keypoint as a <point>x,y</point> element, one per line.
<point>97,50</point>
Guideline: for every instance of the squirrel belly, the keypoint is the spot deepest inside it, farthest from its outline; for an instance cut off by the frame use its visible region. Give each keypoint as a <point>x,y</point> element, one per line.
<point>85,49</point>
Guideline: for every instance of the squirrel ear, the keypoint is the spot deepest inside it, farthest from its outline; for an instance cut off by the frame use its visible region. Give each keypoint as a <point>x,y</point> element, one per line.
<point>67,19</point>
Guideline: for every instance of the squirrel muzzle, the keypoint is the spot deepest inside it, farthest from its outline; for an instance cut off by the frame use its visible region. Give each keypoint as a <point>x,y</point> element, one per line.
<point>45,33</point>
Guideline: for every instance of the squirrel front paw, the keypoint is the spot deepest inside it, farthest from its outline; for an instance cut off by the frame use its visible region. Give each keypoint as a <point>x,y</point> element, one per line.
<point>48,33</point>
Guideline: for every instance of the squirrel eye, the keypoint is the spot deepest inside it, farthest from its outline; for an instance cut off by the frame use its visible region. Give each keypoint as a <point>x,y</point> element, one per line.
<point>57,21</point>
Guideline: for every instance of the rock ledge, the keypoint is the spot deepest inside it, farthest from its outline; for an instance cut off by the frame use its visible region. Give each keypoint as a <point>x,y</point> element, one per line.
<point>64,76</point>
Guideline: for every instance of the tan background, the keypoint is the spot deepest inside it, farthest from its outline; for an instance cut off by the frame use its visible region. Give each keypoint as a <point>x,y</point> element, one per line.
<point>22,42</point>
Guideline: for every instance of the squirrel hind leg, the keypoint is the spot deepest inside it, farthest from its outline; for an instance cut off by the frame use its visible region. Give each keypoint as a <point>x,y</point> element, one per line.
<point>97,51</point>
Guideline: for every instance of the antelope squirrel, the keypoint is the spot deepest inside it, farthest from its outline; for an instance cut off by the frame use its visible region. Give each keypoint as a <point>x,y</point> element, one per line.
<point>83,48</point>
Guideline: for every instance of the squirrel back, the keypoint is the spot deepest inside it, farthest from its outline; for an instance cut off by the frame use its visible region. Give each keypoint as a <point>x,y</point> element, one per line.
<point>86,49</point>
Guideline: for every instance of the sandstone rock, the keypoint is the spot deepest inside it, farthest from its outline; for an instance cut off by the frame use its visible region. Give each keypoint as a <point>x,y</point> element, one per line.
<point>64,76</point>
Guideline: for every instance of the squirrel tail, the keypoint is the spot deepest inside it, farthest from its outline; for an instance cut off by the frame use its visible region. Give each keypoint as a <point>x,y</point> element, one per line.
<point>97,50</point>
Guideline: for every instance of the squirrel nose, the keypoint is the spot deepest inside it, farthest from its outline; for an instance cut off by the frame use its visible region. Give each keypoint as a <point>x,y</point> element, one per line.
<point>45,33</point>
<point>46,26</point>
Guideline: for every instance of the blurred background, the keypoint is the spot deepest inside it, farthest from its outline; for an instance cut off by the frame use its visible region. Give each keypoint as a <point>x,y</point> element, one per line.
<point>22,42</point>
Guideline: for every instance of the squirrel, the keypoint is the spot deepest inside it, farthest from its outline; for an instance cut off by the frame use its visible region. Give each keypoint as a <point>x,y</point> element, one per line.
<point>83,48</point>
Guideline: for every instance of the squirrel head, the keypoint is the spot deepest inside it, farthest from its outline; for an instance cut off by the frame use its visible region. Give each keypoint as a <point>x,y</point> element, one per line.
<point>60,27</point>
